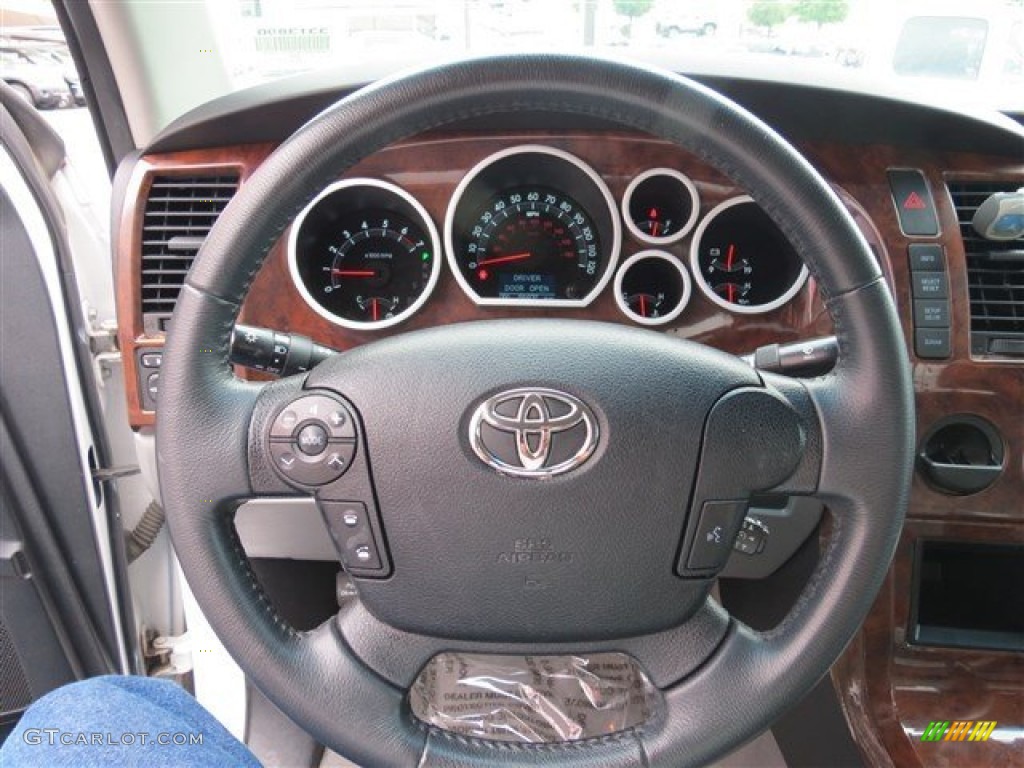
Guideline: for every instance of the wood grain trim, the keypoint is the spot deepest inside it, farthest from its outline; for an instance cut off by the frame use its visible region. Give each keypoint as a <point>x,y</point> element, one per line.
<point>890,690</point>
<point>430,167</point>
<point>128,250</point>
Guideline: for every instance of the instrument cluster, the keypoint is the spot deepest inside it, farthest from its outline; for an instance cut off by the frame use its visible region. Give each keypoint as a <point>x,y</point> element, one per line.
<point>535,226</point>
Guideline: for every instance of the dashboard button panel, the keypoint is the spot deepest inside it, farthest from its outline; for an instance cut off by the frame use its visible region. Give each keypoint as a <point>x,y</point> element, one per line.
<point>930,288</point>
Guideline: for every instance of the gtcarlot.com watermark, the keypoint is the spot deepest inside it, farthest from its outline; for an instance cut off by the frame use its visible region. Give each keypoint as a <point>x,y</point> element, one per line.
<point>53,737</point>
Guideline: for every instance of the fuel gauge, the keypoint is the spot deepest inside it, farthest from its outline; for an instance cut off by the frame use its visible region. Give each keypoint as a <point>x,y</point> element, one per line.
<point>652,288</point>
<point>660,206</point>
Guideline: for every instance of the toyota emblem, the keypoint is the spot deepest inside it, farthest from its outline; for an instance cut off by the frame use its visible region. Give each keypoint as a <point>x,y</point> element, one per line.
<point>533,432</point>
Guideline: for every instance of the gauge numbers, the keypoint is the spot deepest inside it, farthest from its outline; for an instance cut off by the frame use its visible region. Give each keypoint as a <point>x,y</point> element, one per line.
<point>742,261</point>
<point>532,224</point>
<point>364,254</point>
<point>532,243</point>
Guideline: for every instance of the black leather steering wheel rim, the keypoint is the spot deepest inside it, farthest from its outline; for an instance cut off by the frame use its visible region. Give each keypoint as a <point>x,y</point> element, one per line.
<point>863,412</point>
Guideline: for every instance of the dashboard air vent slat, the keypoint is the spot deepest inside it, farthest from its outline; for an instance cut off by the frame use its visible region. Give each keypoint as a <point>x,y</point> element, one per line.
<point>179,212</point>
<point>995,274</point>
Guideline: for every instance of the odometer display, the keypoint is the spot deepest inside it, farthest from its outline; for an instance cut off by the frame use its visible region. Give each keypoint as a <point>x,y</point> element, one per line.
<point>532,224</point>
<point>532,243</point>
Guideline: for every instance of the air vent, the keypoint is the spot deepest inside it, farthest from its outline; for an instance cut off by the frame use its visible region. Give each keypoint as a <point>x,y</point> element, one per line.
<point>180,211</point>
<point>995,275</point>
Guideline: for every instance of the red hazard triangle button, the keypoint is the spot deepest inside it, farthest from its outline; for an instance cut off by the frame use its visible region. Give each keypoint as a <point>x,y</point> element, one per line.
<point>914,202</point>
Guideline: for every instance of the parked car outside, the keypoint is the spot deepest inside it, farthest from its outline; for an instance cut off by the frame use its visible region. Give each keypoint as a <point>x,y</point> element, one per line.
<point>41,84</point>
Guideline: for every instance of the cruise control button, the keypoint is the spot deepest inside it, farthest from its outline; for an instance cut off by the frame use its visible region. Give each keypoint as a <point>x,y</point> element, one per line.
<point>312,439</point>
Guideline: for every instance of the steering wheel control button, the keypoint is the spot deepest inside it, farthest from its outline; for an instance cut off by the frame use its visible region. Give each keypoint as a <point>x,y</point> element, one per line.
<point>353,534</point>
<point>312,439</point>
<point>914,205</point>
<point>714,536</point>
<point>752,537</point>
<point>325,411</point>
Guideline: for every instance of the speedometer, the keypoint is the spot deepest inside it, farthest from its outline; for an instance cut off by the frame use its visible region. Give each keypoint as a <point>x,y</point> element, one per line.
<point>532,243</point>
<point>532,224</point>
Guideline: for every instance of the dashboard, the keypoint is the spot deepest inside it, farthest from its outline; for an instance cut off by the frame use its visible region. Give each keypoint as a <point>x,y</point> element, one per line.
<point>584,221</point>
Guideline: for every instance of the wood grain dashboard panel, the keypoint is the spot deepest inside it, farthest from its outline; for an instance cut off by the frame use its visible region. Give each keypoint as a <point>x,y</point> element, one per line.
<point>889,689</point>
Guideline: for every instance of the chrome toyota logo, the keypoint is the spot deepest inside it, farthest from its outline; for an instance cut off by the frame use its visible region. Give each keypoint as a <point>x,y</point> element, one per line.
<point>533,432</point>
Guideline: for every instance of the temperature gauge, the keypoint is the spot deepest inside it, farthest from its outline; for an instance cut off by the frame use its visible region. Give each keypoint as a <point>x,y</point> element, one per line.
<point>652,288</point>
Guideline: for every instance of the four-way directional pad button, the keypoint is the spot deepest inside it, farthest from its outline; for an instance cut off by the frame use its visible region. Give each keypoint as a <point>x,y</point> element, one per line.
<point>313,440</point>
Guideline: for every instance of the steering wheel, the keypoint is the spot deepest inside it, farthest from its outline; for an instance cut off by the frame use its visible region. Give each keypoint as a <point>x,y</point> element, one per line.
<point>428,530</point>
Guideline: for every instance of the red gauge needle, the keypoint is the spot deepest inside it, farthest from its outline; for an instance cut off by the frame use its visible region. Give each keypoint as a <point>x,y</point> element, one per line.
<point>643,305</point>
<point>654,229</point>
<point>354,272</point>
<point>730,286</point>
<point>729,257</point>
<point>503,259</point>
<point>373,309</point>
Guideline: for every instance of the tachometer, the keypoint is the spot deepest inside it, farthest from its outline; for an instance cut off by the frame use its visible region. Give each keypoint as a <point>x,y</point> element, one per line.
<point>364,254</point>
<point>532,224</point>
<point>742,261</point>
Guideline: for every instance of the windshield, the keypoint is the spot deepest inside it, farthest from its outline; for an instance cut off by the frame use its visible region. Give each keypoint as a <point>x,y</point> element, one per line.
<point>964,51</point>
